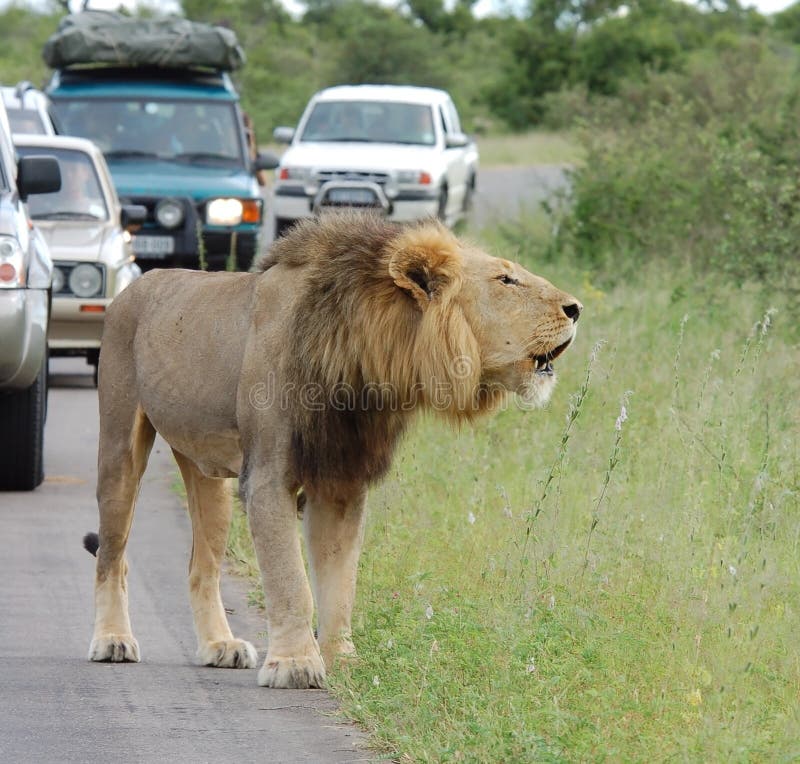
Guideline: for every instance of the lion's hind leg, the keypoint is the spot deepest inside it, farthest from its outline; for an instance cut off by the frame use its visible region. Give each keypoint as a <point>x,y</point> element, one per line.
<point>210,507</point>
<point>125,445</point>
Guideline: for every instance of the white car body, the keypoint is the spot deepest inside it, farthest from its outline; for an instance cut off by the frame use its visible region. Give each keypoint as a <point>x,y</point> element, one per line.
<point>28,109</point>
<point>409,180</point>
<point>97,239</point>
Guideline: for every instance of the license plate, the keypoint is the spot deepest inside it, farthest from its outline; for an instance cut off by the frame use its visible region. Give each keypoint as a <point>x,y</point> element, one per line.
<point>153,246</point>
<point>350,196</point>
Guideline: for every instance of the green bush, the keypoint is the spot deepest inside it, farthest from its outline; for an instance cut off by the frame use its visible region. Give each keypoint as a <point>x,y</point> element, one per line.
<point>703,174</point>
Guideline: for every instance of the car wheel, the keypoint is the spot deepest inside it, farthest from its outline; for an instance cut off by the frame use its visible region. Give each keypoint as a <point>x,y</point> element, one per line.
<point>442,212</point>
<point>282,225</point>
<point>22,415</point>
<point>469,193</point>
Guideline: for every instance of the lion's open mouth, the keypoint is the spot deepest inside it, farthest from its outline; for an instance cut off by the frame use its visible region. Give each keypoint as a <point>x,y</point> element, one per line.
<point>543,364</point>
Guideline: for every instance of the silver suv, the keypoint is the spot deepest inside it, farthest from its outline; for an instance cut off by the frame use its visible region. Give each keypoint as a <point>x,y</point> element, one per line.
<point>28,109</point>
<point>26,272</point>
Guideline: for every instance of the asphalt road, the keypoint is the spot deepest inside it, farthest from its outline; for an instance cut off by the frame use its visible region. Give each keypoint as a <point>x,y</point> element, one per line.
<point>512,192</point>
<point>55,706</point>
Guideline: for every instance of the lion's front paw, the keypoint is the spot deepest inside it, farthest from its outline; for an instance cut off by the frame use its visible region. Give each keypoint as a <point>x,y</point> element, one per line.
<point>230,653</point>
<point>289,673</point>
<point>116,648</point>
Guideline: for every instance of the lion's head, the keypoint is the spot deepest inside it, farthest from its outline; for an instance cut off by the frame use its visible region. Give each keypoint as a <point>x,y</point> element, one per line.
<point>392,318</point>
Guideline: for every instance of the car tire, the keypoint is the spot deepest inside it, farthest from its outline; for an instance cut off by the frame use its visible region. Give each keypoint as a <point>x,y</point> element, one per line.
<point>469,193</point>
<point>282,225</point>
<point>442,211</point>
<point>22,415</point>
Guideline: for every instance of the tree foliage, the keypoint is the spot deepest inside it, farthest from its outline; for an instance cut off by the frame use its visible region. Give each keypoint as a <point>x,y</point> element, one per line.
<point>502,70</point>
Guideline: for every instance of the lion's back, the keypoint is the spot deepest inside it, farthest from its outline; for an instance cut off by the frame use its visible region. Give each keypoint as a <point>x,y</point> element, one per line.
<point>186,326</point>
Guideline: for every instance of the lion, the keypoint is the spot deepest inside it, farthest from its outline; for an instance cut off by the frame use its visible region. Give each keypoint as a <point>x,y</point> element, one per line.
<point>299,378</point>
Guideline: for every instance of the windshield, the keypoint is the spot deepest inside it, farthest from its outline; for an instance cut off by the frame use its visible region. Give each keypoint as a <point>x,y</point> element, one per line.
<point>80,197</point>
<point>25,121</point>
<point>193,131</point>
<point>371,121</point>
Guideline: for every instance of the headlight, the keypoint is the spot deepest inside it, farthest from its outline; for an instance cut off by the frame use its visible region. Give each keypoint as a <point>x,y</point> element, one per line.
<point>58,280</point>
<point>224,212</point>
<point>169,213</point>
<point>294,173</point>
<point>12,273</point>
<point>233,211</point>
<point>85,280</point>
<point>417,177</point>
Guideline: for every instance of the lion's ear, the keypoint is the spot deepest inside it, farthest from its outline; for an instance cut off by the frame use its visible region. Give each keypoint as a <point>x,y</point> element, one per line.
<point>424,262</point>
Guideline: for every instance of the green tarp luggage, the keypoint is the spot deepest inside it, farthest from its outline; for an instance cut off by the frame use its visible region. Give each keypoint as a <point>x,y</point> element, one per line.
<point>100,37</point>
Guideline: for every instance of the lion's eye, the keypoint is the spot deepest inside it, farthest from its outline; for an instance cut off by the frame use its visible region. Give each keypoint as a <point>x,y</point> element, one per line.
<point>506,279</point>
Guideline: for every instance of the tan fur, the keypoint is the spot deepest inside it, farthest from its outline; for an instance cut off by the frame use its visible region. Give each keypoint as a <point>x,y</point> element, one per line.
<point>303,374</point>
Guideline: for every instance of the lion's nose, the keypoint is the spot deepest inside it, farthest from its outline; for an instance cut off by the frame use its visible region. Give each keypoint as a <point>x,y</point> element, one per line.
<point>572,310</point>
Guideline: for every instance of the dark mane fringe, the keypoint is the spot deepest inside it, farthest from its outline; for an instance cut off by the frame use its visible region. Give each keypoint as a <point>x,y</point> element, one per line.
<point>326,237</point>
<point>351,313</point>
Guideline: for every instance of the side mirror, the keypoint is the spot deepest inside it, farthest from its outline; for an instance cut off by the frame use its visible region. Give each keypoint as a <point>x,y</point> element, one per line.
<point>265,160</point>
<point>37,175</point>
<point>132,216</point>
<point>456,141</point>
<point>283,134</point>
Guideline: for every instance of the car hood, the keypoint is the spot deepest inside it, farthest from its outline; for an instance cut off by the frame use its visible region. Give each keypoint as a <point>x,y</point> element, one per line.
<point>360,156</point>
<point>156,178</point>
<point>70,240</point>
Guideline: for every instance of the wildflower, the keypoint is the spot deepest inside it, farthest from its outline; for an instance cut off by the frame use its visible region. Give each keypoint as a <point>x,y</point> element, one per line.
<point>695,698</point>
<point>623,416</point>
<point>531,667</point>
<point>376,680</point>
<point>732,570</point>
<point>471,518</point>
<point>429,612</point>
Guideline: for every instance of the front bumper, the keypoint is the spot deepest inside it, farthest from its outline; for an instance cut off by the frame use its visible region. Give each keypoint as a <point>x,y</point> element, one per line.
<point>76,325</point>
<point>193,241</point>
<point>291,202</point>
<point>23,336</point>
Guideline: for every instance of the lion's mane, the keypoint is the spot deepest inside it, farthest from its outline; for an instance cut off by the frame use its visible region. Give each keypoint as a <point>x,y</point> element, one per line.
<point>363,353</point>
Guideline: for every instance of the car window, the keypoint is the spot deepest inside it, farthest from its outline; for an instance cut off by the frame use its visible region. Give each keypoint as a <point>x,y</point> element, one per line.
<point>26,121</point>
<point>370,121</point>
<point>445,128</point>
<point>81,195</point>
<point>452,116</point>
<point>171,130</point>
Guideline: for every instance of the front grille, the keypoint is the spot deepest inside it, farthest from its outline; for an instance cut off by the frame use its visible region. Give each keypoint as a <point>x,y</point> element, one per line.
<point>219,243</point>
<point>326,176</point>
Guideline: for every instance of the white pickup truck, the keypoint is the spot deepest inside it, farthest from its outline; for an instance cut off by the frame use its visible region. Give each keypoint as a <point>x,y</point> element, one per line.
<point>395,148</point>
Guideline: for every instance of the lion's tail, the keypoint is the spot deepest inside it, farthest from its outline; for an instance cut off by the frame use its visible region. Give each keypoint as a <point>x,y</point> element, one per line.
<point>91,543</point>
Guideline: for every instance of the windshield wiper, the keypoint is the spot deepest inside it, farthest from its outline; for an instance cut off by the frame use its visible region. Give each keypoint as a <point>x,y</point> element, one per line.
<point>130,154</point>
<point>204,156</point>
<point>66,215</point>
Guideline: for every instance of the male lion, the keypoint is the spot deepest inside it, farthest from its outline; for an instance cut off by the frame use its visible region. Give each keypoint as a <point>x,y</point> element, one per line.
<point>303,375</point>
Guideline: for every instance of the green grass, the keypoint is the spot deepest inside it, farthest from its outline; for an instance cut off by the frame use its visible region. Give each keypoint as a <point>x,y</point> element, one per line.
<point>533,148</point>
<point>548,587</point>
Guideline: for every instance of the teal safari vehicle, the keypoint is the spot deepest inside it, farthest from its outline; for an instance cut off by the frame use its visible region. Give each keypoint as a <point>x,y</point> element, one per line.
<point>174,135</point>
